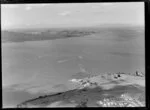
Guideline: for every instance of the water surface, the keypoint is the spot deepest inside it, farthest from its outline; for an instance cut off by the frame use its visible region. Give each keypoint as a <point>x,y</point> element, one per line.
<point>38,66</point>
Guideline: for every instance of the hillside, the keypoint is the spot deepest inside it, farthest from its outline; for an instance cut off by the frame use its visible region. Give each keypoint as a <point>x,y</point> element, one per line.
<point>105,90</point>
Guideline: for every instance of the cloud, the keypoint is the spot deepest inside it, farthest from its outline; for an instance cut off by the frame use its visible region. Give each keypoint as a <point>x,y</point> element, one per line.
<point>38,5</point>
<point>42,5</point>
<point>31,6</point>
<point>10,6</point>
<point>101,5</point>
<point>65,13</point>
<point>28,8</point>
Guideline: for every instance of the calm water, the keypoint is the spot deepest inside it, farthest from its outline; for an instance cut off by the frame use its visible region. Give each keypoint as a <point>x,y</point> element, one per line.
<point>35,67</point>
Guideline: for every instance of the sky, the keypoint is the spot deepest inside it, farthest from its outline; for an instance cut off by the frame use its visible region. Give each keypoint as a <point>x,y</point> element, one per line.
<point>70,14</point>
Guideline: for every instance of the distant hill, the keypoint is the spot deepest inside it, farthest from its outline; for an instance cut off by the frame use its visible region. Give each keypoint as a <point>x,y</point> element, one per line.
<point>10,36</point>
<point>121,33</point>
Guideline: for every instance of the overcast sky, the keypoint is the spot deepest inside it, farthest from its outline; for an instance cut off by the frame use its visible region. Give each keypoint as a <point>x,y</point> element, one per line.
<point>71,14</point>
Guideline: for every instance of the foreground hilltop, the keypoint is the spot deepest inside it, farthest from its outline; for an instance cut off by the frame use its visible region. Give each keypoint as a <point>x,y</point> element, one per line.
<point>104,90</point>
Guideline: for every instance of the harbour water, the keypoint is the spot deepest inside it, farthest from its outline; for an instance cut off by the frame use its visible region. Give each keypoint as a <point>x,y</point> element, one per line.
<point>40,67</point>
